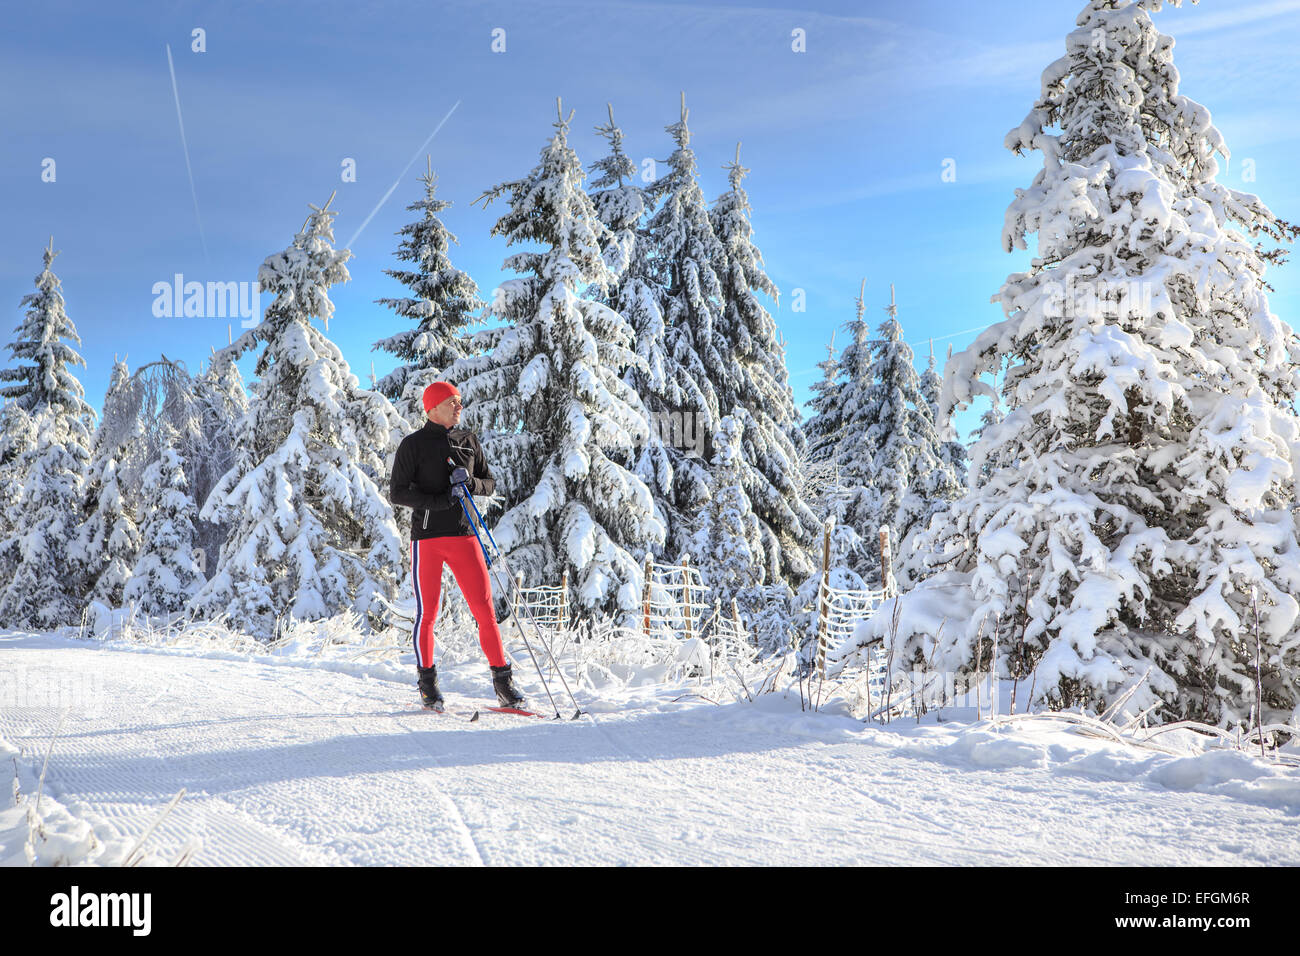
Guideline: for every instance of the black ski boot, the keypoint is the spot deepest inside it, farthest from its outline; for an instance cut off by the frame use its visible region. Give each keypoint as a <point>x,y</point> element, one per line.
<point>430,696</point>
<point>507,693</point>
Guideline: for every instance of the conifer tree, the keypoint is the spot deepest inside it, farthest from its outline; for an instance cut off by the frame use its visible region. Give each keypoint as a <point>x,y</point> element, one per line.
<point>891,466</point>
<point>45,339</point>
<point>727,543</point>
<point>634,293</point>
<point>1142,500</point>
<point>166,576</point>
<point>312,533</point>
<point>49,435</point>
<point>951,452</point>
<point>828,494</point>
<point>17,440</point>
<point>222,402</point>
<point>827,422</point>
<point>752,384</point>
<point>620,205</point>
<point>110,539</point>
<point>441,307</point>
<point>553,414</point>
<point>675,314</point>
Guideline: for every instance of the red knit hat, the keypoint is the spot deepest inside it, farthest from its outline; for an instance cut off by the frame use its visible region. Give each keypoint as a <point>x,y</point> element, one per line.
<point>437,393</point>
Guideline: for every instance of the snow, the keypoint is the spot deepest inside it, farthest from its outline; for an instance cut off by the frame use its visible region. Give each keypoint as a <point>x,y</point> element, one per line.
<point>313,752</point>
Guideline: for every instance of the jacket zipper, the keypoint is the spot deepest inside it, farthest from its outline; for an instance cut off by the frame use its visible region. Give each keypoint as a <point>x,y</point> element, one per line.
<point>463,451</point>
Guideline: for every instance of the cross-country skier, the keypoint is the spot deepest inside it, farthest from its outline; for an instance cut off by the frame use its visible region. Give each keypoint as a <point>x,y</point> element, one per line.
<point>441,533</point>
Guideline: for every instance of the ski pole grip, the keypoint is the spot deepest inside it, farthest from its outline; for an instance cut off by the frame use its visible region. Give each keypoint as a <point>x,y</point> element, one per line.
<point>451,463</point>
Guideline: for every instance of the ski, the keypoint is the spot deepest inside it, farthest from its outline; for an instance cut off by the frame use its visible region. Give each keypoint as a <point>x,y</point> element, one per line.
<point>478,710</point>
<point>445,712</point>
<point>514,711</point>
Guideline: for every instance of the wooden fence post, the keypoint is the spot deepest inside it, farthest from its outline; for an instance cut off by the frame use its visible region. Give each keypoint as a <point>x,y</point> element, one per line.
<point>564,600</point>
<point>645,590</point>
<point>886,563</point>
<point>686,592</point>
<point>712,641</point>
<point>824,608</point>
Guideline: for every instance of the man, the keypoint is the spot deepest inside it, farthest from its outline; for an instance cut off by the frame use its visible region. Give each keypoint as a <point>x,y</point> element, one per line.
<point>441,534</point>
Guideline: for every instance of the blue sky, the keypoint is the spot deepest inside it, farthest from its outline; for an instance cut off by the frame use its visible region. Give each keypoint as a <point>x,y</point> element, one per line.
<point>846,142</point>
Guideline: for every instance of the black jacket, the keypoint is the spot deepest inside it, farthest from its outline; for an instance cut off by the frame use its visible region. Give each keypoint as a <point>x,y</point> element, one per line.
<point>421,479</point>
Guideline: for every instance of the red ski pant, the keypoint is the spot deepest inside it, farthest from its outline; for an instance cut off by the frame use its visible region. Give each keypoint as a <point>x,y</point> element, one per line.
<point>465,558</point>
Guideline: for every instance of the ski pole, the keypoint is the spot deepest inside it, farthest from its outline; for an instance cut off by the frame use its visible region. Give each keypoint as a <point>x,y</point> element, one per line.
<point>487,558</point>
<point>509,571</point>
<point>518,626</point>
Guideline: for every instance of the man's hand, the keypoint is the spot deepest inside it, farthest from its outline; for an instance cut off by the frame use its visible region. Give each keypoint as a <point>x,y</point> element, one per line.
<point>459,491</point>
<point>459,477</point>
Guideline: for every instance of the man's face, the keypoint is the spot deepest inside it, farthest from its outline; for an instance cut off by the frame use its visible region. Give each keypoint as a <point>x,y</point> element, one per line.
<point>447,414</point>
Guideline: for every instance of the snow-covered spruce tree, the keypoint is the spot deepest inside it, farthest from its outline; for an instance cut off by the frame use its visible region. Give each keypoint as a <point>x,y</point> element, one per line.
<point>950,480</point>
<point>727,542</point>
<point>891,467</point>
<point>620,205</point>
<point>554,416</point>
<point>222,402</point>
<point>752,385</point>
<point>312,533</point>
<point>856,451</point>
<point>826,494</point>
<point>111,538</point>
<point>43,340</point>
<point>17,438</point>
<point>823,489</point>
<point>675,313</point>
<point>841,457</point>
<point>46,525</point>
<point>634,293</point>
<point>109,541</point>
<point>52,425</point>
<point>823,429</point>
<point>441,307</point>
<point>910,477</point>
<point>166,576</point>
<point>951,452</point>
<point>1144,477</point>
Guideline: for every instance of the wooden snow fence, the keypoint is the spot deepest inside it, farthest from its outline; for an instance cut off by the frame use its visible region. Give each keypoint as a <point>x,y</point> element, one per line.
<point>675,603</point>
<point>674,600</point>
<point>547,605</point>
<point>677,606</point>
<point>840,610</point>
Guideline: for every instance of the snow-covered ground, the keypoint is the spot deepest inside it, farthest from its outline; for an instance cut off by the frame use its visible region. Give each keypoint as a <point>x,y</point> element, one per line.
<point>318,755</point>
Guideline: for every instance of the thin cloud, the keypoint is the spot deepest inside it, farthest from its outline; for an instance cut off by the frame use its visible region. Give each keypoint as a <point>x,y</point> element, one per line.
<point>1222,20</point>
<point>929,179</point>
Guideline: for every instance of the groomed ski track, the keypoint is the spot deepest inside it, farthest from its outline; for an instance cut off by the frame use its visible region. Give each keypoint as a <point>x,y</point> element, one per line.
<point>285,763</point>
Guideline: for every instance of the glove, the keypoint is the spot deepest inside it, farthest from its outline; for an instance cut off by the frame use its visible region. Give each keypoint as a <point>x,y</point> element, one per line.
<point>459,491</point>
<point>459,476</point>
